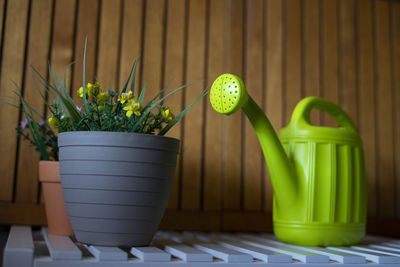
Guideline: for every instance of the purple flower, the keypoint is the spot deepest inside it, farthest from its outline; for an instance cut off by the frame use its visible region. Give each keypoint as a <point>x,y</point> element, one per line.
<point>23,124</point>
<point>41,123</point>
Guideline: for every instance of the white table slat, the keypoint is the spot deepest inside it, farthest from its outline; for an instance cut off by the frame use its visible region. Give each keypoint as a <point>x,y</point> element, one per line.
<point>383,251</point>
<point>19,247</point>
<point>223,253</point>
<point>369,255</point>
<point>258,253</point>
<point>182,251</point>
<point>151,253</point>
<point>218,251</point>
<point>301,255</point>
<point>108,253</point>
<point>61,247</point>
<point>338,256</point>
<point>386,247</point>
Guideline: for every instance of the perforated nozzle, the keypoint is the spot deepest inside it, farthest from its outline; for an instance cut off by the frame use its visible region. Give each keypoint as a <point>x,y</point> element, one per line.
<point>228,94</point>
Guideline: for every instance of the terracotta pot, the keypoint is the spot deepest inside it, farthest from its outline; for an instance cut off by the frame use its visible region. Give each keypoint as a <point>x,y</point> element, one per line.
<point>56,212</point>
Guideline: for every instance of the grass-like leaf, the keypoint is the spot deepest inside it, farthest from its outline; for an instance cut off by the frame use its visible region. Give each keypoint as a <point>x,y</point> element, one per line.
<point>177,118</point>
<point>142,94</point>
<point>157,103</point>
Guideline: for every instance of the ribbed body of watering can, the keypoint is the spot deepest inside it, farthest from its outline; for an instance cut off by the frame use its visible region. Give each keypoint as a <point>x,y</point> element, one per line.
<point>317,173</point>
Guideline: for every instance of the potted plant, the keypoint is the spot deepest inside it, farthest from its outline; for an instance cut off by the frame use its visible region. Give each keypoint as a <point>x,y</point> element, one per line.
<point>116,165</point>
<point>44,139</point>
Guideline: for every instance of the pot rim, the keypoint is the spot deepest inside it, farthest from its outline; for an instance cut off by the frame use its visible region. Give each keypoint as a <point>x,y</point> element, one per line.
<point>52,176</point>
<point>120,133</point>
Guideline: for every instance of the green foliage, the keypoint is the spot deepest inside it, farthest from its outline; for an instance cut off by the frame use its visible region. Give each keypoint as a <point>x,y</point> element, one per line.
<point>103,110</point>
<point>106,110</point>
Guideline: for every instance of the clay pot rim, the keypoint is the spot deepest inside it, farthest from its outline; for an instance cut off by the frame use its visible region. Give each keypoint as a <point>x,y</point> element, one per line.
<point>52,175</point>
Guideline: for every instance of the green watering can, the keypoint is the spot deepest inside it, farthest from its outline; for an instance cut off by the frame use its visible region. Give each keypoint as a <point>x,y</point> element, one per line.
<point>317,173</point>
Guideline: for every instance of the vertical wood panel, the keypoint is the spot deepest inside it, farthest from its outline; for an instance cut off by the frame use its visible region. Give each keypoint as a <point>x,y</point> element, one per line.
<point>174,69</point>
<point>12,67</point>
<point>193,123</point>
<point>131,40</point>
<point>311,61</point>
<point>37,56</point>
<point>63,36</point>
<point>274,77</point>
<point>329,54</point>
<point>395,26</point>
<point>384,116</point>
<point>86,28</point>
<point>293,56</point>
<point>108,44</point>
<point>347,59</point>
<point>2,11</point>
<point>233,123</point>
<point>254,83</point>
<point>367,99</point>
<point>152,47</point>
<point>213,154</point>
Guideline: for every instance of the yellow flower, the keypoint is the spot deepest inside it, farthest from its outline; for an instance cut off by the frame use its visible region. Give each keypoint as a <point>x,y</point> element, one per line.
<point>80,92</point>
<point>168,116</point>
<point>125,97</point>
<point>132,107</point>
<point>91,90</point>
<point>53,121</point>
<point>102,98</point>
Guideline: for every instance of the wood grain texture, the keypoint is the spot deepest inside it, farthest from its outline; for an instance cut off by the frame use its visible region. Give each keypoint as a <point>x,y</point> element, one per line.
<point>367,117</point>
<point>329,56</point>
<point>348,97</point>
<point>274,77</point>
<point>37,54</point>
<point>384,112</point>
<point>345,50</point>
<point>131,40</point>
<point>395,42</point>
<point>108,44</point>
<point>86,28</point>
<point>311,53</point>
<point>174,69</point>
<point>293,57</point>
<point>213,152</point>
<point>233,123</point>
<point>153,47</point>
<point>193,121</point>
<point>12,68</point>
<point>2,14</point>
<point>254,83</point>
<point>62,45</point>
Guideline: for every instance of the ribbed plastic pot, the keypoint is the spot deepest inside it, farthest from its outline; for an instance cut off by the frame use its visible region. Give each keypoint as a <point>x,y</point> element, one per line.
<point>56,213</point>
<point>116,185</point>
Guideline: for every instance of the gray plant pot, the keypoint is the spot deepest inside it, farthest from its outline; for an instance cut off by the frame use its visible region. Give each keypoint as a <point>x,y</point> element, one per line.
<point>116,185</point>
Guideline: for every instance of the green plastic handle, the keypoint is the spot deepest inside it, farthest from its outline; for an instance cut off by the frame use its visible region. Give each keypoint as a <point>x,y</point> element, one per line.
<point>301,114</point>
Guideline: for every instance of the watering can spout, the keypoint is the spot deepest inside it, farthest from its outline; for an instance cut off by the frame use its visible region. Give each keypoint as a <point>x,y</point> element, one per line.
<point>228,94</point>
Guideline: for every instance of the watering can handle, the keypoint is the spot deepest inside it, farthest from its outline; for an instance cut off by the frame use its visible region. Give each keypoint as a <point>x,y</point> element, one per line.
<point>301,113</point>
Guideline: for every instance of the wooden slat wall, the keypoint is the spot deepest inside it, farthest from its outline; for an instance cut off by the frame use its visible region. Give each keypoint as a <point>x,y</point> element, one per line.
<point>347,51</point>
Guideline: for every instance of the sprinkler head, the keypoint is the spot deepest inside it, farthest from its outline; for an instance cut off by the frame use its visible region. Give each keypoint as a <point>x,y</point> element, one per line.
<point>228,94</point>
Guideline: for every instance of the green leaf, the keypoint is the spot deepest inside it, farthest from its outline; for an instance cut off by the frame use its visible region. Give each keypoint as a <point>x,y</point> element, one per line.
<point>159,93</point>
<point>134,76</point>
<point>40,92</point>
<point>142,94</point>
<point>158,102</point>
<point>85,102</point>
<point>33,128</point>
<point>119,105</point>
<point>177,118</point>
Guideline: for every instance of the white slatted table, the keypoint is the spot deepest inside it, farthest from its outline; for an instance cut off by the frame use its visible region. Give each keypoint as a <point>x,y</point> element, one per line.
<point>27,248</point>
